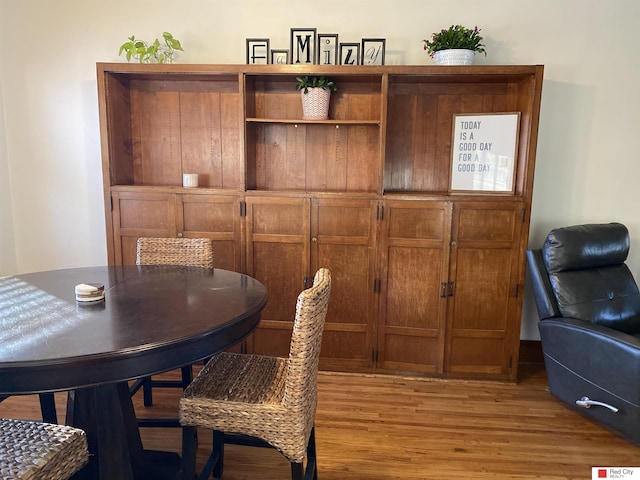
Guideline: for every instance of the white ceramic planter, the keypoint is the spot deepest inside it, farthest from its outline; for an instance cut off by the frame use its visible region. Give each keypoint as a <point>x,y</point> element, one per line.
<point>454,56</point>
<point>315,104</point>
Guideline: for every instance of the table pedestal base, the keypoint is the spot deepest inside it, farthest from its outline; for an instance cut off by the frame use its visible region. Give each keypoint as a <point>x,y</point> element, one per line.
<point>106,414</point>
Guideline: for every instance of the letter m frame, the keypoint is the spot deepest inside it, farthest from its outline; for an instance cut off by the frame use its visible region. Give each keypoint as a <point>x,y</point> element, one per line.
<point>303,45</point>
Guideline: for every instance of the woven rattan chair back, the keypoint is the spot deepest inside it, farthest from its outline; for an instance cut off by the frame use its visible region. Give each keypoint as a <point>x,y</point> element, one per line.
<point>270,400</point>
<point>38,451</point>
<point>300,393</point>
<point>187,252</point>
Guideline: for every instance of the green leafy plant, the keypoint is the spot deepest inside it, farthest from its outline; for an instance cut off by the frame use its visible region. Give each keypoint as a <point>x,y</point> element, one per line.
<point>456,36</point>
<point>307,82</point>
<point>155,52</point>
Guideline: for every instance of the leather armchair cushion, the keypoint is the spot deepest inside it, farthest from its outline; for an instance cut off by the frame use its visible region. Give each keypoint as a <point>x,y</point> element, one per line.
<point>585,246</point>
<point>589,278</point>
<point>606,296</point>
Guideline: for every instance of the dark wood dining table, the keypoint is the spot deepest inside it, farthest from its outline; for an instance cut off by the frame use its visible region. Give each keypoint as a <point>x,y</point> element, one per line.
<point>153,319</point>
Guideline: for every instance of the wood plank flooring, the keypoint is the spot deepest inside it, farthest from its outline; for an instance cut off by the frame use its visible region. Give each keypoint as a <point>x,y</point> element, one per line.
<point>386,427</point>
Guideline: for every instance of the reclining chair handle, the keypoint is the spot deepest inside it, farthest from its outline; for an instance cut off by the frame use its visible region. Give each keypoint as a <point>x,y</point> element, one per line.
<point>586,402</point>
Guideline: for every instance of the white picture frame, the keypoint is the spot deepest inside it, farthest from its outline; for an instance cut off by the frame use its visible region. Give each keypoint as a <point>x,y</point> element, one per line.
<point>349,53</point>
<point>327,49</point>
<point>279,57</point>
<point>484,152</point>
<point>373,51</point>
<point>257,51</point>
<point>303,46</point>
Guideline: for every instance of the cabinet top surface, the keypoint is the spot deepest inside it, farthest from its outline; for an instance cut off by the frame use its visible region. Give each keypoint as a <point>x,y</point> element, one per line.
<point>130,68</point>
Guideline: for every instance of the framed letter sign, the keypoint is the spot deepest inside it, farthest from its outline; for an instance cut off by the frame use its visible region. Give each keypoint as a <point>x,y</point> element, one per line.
<point>257,51</point>
<point>483,154</point>
<point>373,50</point>
<point>327,49</point>
<point>279,57</point>
<point>303,45</point>
<point>349,54</point>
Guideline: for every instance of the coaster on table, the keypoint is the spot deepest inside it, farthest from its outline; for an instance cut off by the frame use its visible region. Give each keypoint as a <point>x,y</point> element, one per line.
<point>89,292</point>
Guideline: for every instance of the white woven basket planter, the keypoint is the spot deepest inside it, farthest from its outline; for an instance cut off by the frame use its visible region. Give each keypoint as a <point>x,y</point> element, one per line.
<point>454,56</point>
<point>315,104</point>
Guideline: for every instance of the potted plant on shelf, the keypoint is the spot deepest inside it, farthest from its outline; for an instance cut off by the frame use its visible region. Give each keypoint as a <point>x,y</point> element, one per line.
<point>151,53</point>
<point>315,93</point>
<point>456,45</point>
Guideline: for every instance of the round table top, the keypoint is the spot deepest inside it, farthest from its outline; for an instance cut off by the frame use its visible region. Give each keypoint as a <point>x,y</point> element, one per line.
<point>153,319</point>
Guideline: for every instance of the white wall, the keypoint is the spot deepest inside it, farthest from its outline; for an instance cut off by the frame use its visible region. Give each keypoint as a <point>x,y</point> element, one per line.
<point>7,249</point>
<point>587,163</point>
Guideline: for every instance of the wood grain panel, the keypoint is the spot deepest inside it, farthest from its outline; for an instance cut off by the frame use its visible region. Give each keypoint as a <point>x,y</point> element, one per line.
<point>477,355</point>
<point>202,137</point>
<point>341,350</point>
<point>410,147</point>
<point>233,169</point>
<point>280,159</point>
<point>363,158</point>
<point>482,321</point>
<point>413,269</point>
<point>271,341</point>
<point>277,242</point>
<point>140,214</point>
<point>119,131</point>
<point>343,234</point>
<point>216,217</point>
<point>483,281</point>
<point>156,138</point>
<point>412,353</point>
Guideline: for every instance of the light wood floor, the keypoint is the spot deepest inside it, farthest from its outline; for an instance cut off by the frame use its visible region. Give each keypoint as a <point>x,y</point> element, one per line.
<point>384,427</point>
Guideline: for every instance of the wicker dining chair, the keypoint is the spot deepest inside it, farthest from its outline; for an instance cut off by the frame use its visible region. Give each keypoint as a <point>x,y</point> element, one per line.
<point>40,451</point>
<point>187,252</point>
<point>260,400</point>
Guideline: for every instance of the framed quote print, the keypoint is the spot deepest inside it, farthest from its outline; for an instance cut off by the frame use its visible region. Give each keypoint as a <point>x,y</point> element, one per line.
<point>483,152</point>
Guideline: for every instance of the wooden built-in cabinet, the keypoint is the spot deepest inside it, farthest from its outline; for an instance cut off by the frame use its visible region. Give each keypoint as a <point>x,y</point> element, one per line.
<point>424,281</point>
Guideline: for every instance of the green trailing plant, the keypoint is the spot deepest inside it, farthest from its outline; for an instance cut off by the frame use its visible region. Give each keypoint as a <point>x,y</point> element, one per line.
<point>155,52</point>
<point>307,82</point>
<point>456,36</point>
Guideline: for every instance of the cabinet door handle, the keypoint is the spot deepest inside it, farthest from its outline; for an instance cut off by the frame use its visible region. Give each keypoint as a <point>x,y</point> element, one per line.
<point>586,402</point>
<point>451,289</point>
<point>179,234</point>
<point>444,290</point>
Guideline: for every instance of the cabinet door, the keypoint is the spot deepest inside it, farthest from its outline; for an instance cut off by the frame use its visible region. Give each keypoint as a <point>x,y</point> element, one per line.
<point>414,257</point>
<point>343,233</point>
<point>277,239</point>
<point>482,322</point>
<point>216,217</point>
<point>140,214</point>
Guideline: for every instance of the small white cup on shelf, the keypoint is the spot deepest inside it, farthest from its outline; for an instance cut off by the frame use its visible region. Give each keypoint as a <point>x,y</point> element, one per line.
<point>189,180</point>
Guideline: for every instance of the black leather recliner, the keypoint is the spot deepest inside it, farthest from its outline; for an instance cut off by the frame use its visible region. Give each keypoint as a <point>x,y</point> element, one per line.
<point>589,308</point>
